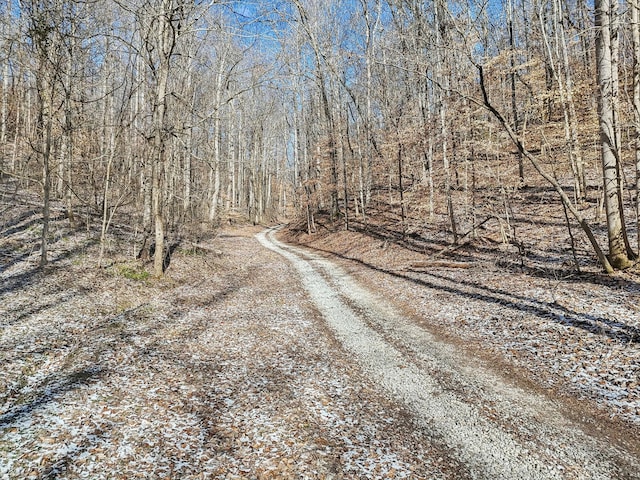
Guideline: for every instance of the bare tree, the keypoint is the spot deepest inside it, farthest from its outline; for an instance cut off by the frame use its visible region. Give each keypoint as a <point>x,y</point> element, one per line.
<point>46,29</point>
<point>635,36</point>
<point>619,255</point>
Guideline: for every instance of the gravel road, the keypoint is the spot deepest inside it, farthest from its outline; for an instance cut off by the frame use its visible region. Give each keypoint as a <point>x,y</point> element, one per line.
<point>262,363</point>
<point>487,423</point>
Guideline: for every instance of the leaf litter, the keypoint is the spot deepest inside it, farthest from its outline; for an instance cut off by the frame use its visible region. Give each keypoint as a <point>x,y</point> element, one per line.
<point>216,371</point>
<point>219,371</point>
<point>578,335</point>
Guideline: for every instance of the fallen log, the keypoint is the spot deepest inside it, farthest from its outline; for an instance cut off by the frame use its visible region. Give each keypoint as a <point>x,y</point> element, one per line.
<point>439,264</point>
<point>200,248</point>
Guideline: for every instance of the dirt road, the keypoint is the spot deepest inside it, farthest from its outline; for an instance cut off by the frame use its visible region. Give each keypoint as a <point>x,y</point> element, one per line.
<point>494,428</point>
<point>254,363</point>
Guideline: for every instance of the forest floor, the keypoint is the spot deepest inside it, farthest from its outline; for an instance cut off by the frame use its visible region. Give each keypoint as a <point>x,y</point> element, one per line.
<point>229,367</point>
<point>574,333</point>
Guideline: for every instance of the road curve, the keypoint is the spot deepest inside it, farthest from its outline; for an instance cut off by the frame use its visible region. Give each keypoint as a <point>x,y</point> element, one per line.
<point>497,430</point>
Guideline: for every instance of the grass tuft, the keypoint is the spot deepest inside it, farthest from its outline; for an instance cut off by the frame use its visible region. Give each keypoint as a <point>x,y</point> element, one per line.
<point>132,272</point>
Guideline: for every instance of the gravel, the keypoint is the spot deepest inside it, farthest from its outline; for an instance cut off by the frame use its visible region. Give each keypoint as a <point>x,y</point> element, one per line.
<point>494,428</point>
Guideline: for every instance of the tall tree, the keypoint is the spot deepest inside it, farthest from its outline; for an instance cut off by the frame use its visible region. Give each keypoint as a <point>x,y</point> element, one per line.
<point>164,24</point>
<point>606,17</point>
<point>320,57</point>
<point>635,38</point>
<point>46,30</point>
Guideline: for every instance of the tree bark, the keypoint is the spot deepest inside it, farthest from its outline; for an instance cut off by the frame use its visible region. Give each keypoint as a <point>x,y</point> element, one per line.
<point>609,150</point>
<point>165,42</point>
<point>512,78</point>
<point>635,37</point>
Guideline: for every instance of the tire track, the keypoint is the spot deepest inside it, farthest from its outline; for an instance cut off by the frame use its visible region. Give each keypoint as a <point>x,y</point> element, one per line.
<point>525,437</point>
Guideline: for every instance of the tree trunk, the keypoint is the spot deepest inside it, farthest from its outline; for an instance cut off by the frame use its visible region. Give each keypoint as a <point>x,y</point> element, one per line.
<point>5,77</point>
<point>635,37</point>
<point>188,152</point>
<point>570,115</point>
<point>46,122</point>
<point>217,138</point>
<point>403,213</point>
<point>512,77</point>
<point>345,185</point>
<point>165,43</point>
<point>67,150</point>
<point>618,256</point>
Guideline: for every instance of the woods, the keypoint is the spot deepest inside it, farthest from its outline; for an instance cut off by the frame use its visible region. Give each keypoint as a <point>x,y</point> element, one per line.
<point>425,119</point>
<point>319,239</point>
